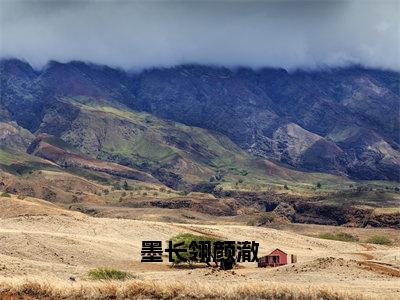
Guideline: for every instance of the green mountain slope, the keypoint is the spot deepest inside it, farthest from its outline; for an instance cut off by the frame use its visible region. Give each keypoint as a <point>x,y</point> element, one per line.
<point>178,155</point>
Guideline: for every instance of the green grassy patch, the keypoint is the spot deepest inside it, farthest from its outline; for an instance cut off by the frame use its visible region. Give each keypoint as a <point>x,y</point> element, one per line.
<point>108,274</point>
<point>98,177</point>
<point>19,163</point>
<point>338,236</point>
<point>379,240</point>
<point>375,198</point>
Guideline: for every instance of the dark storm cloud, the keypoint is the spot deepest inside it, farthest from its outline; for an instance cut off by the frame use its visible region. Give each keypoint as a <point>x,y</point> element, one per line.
<point>136,34</point>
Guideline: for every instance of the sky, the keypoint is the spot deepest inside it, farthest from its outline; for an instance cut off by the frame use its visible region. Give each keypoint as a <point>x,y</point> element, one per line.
<point>143,34</point>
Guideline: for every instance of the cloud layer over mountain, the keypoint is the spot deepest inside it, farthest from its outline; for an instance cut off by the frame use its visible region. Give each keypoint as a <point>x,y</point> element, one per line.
<point>137,34</point>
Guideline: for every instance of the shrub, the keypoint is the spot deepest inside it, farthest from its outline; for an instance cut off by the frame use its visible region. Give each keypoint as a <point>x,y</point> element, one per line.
<point>380,240</point>
<point>5,195</point>
<point>21,197</point>
<point>244,173</point>
<point>338,236</point>
<point>286,187</point>
<point>144,194</point>
<point>116,186</point>
<point>108,274</point>
<point>263,218</point>
<point>183,193</point>
<point>219,175</point>
<point>126,186</point>
<point>218,189</point>
<point>318,185</point>
<point>162,189</point>
<point>187,238</point>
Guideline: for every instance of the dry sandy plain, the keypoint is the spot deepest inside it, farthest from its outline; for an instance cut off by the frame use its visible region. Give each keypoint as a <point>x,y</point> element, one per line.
<point>42,246</point>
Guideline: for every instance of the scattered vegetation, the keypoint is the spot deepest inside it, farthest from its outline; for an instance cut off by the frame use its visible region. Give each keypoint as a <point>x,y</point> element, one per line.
<point>338,236</point>
<point>5,195</point>
<point>380,240</point>
<point>108,274</point>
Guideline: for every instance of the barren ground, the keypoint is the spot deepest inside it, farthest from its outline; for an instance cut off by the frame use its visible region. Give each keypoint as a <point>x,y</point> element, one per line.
<point>41,240</point>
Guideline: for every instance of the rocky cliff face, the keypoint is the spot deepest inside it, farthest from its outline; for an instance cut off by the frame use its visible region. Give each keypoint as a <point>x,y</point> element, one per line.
<point>343,121</point>
<point>294,118</point>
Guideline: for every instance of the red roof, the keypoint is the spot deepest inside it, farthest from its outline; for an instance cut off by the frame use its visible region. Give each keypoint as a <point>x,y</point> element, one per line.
<point>279,250</point>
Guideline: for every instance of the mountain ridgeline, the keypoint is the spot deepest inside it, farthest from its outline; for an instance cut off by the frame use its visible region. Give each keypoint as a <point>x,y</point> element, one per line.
<point>190,119</point>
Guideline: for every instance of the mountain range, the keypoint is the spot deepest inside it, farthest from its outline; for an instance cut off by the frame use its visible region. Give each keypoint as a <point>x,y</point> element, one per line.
<point>191,123</point>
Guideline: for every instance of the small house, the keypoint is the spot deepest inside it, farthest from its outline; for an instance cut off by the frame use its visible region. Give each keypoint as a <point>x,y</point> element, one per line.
<point>274,259</point>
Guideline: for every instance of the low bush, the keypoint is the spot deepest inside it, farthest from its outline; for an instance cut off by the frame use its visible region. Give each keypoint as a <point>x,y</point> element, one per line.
<point>338,236</point>
<point>183,193</point>
<point>108,274</point>
<point>5,195</point>
<point>379,240</point>
<point>187,239</point>
<point>263,218</point>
